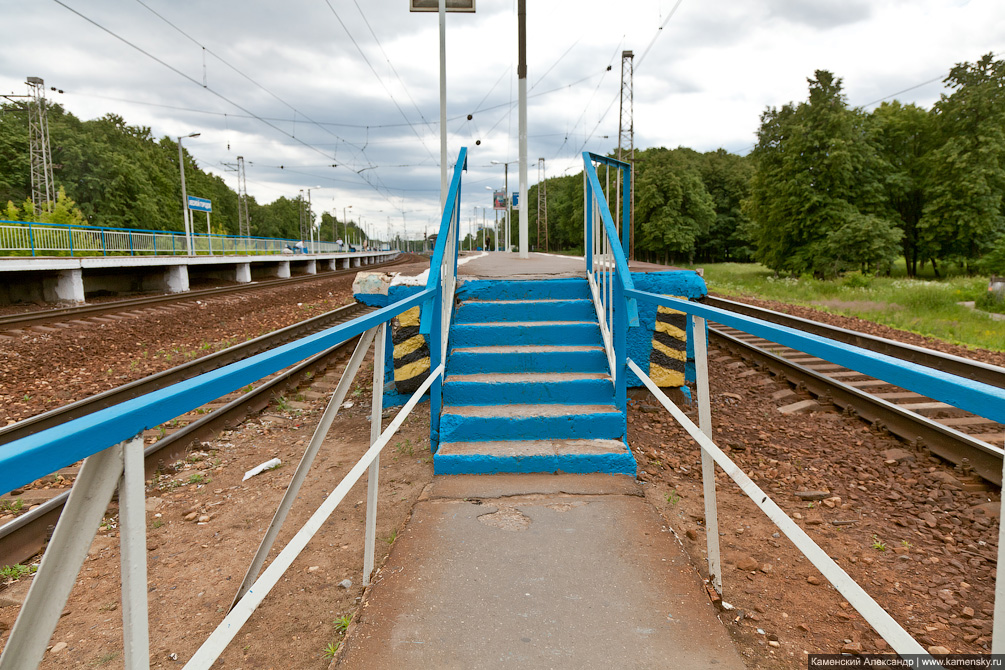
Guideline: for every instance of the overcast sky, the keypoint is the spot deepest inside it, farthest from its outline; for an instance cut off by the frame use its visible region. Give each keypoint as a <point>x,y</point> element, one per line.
<point>354,83</point>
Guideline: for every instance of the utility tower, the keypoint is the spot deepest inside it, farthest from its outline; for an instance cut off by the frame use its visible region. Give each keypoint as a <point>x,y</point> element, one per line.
<point>626,139</point>
<point>43,188</point>
<point>303,217</point>
<point>542,203</point>
<point>244,223</point>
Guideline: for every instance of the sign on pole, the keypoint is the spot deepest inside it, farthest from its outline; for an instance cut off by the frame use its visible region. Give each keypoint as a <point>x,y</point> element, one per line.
<point>516,200</point>
<point>434,6</point>
<point>499,200</point>
<point>200,204</point>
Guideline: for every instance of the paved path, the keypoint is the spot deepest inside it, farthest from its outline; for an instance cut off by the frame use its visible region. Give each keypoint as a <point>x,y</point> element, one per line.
<point>537,571</point>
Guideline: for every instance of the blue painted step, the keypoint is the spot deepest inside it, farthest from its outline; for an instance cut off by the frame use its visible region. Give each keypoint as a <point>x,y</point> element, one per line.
<point>527,358</point>
<point>526,332</point>
<point>571,456</point>
<point>530,422</point>
<point>542,289</point>
<point>479,311</point>
<point>528,388</point>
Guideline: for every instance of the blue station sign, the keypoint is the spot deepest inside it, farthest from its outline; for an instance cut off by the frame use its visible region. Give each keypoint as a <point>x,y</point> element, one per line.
<point>200,204</point>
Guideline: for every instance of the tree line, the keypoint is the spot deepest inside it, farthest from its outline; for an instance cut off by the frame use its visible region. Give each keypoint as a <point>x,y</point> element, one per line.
<point>112,174</point>
<point>828,188</point>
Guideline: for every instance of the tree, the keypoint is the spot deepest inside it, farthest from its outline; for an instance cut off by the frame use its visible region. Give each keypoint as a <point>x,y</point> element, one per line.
<point>672,207</point>
<point>816,187</point>
<point>904,139</point>
<point>727,179</point>
<point>966,171</point>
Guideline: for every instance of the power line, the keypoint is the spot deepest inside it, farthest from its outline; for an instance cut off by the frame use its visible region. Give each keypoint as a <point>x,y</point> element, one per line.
<point>379,78</point>
<point>207,88</point>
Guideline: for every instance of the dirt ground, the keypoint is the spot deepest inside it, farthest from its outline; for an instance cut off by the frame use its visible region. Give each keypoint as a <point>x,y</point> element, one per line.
<point>918,535</point>
<point>195,566</point>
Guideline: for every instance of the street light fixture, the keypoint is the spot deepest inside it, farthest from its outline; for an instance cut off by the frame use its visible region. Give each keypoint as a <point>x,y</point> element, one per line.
<point>184,195</point>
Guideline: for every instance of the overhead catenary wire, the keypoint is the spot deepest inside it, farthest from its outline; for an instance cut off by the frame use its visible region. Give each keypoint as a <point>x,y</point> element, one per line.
<point>211,90</point>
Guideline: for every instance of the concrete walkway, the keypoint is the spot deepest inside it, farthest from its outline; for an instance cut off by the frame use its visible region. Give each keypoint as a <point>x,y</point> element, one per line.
<point>537,571</point>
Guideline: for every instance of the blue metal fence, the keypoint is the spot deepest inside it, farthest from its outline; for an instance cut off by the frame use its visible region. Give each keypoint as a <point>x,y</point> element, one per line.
<point>18,238</point>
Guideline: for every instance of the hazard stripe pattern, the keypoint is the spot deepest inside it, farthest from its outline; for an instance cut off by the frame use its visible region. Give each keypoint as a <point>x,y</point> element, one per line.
<point>411,353</point>
<point>666,362</point>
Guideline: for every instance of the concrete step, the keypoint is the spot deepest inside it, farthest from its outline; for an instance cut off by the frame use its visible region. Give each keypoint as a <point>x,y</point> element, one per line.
<point>527,358</point>
<point>485,423</point>
<point>568,388</point>
<point>478,311</point>
<point>541,289</point>
<point>524,333</point>
<point>527,456</point>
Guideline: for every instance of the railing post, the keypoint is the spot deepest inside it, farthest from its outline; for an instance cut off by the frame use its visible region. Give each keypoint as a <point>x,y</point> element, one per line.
<point>131,243</point>
<point>435,358</point>
<point>104,249</point>
<point>998,623</point>
<point>698,337</point>
<point>588,213</point>
<point>620,337</point>
<point>31,238</point>
<point>133,557</point>
<point>69,232</point>
<point>372,476</point>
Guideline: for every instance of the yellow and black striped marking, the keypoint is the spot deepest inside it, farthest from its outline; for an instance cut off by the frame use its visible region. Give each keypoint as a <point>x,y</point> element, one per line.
<point>411,353</point>
<point>666,362</point>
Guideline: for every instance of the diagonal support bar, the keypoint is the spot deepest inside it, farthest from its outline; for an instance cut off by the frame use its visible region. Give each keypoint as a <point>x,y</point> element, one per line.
<point>372,481</point>
<point>324,425</point>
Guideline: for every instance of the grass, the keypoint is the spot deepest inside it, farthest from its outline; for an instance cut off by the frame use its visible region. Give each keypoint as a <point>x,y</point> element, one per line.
<point>342,623</point>
<point>878,544</point>
<point>673,498</point>
<point>331,650</point>
<point>11,505</point>
<point>17,571</point>
<point>924,306</point>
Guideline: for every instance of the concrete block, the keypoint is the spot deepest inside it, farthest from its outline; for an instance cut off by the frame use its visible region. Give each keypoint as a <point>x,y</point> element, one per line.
<point>176,278</point>
<point>242,273</point>
<point>68,286</point>
<point>800,407</point>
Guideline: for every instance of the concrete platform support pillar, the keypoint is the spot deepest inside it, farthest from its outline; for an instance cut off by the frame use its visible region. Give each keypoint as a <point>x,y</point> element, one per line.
<point>326,264</point>
<point>242,273</point>
<point>311,267</point>
<point>283,269</point>
<point>65,286</point>
<point>356,262</point>
<point>176,278</point>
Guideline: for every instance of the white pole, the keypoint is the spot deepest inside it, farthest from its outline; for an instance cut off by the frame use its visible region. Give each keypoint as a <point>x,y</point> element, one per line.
<point>522,79</point>
<point>443,103</point>
<point>184,200</point>
<point>209,233</point>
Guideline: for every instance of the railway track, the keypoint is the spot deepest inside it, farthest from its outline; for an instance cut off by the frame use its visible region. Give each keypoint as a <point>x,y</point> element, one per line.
<point>17,322</point>
<point>955,435</point>
<point>27,533</point>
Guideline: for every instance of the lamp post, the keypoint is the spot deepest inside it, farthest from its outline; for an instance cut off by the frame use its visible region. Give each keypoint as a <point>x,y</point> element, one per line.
<point>310,218</point>
<point>184,195</point>
<point>345,225</point>
<point>506,221</point>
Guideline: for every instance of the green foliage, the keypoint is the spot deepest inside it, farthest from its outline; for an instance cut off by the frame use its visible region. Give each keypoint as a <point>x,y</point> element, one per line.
<point>17,571</point>
<point>966,171</point>
<point>816,203</point>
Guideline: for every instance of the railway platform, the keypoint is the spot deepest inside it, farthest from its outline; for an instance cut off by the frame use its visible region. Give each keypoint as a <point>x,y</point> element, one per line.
<point>63,279</point>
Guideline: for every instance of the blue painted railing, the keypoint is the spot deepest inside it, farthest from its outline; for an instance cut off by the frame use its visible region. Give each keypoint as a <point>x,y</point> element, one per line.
<point>25,237</point>
<point>438,308</point>
<point>607,268</point>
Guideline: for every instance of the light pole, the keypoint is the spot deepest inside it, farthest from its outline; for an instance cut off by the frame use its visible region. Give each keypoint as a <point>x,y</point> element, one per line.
<point>310,217</point>
<point>506,197</point>
<point>184,195</point>
<point>345,226</point>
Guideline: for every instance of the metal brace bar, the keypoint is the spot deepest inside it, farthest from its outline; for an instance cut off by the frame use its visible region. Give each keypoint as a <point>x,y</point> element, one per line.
<point>372,477</point>
<point>133,556</point>
<point>61,563</point>
<point>707,464</point>
<point>324,425</point>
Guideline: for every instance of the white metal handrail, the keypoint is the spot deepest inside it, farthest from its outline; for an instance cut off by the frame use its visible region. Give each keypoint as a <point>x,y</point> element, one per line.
<point>711,455</point>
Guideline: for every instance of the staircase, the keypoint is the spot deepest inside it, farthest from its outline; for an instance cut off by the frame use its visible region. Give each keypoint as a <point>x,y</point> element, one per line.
<point>527,385</point>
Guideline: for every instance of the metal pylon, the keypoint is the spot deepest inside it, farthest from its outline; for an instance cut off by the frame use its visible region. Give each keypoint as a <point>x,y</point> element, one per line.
<point>244,223</point>
<point>43,187</point>
<point>626,137</point>
<point>542,203</point>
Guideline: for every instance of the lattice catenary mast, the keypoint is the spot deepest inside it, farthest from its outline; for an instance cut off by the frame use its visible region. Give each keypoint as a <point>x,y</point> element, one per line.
<point>43,187</point>
<point>626,138</point>
<point>244,223</point>
<point>542,203</point>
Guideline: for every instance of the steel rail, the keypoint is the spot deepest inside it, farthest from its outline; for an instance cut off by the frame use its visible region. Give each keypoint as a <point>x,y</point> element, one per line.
<point>179,373</point>
<point>29,319</point>
<point>950,444</point>
<point>25,535</point>
<point>957,365</point>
